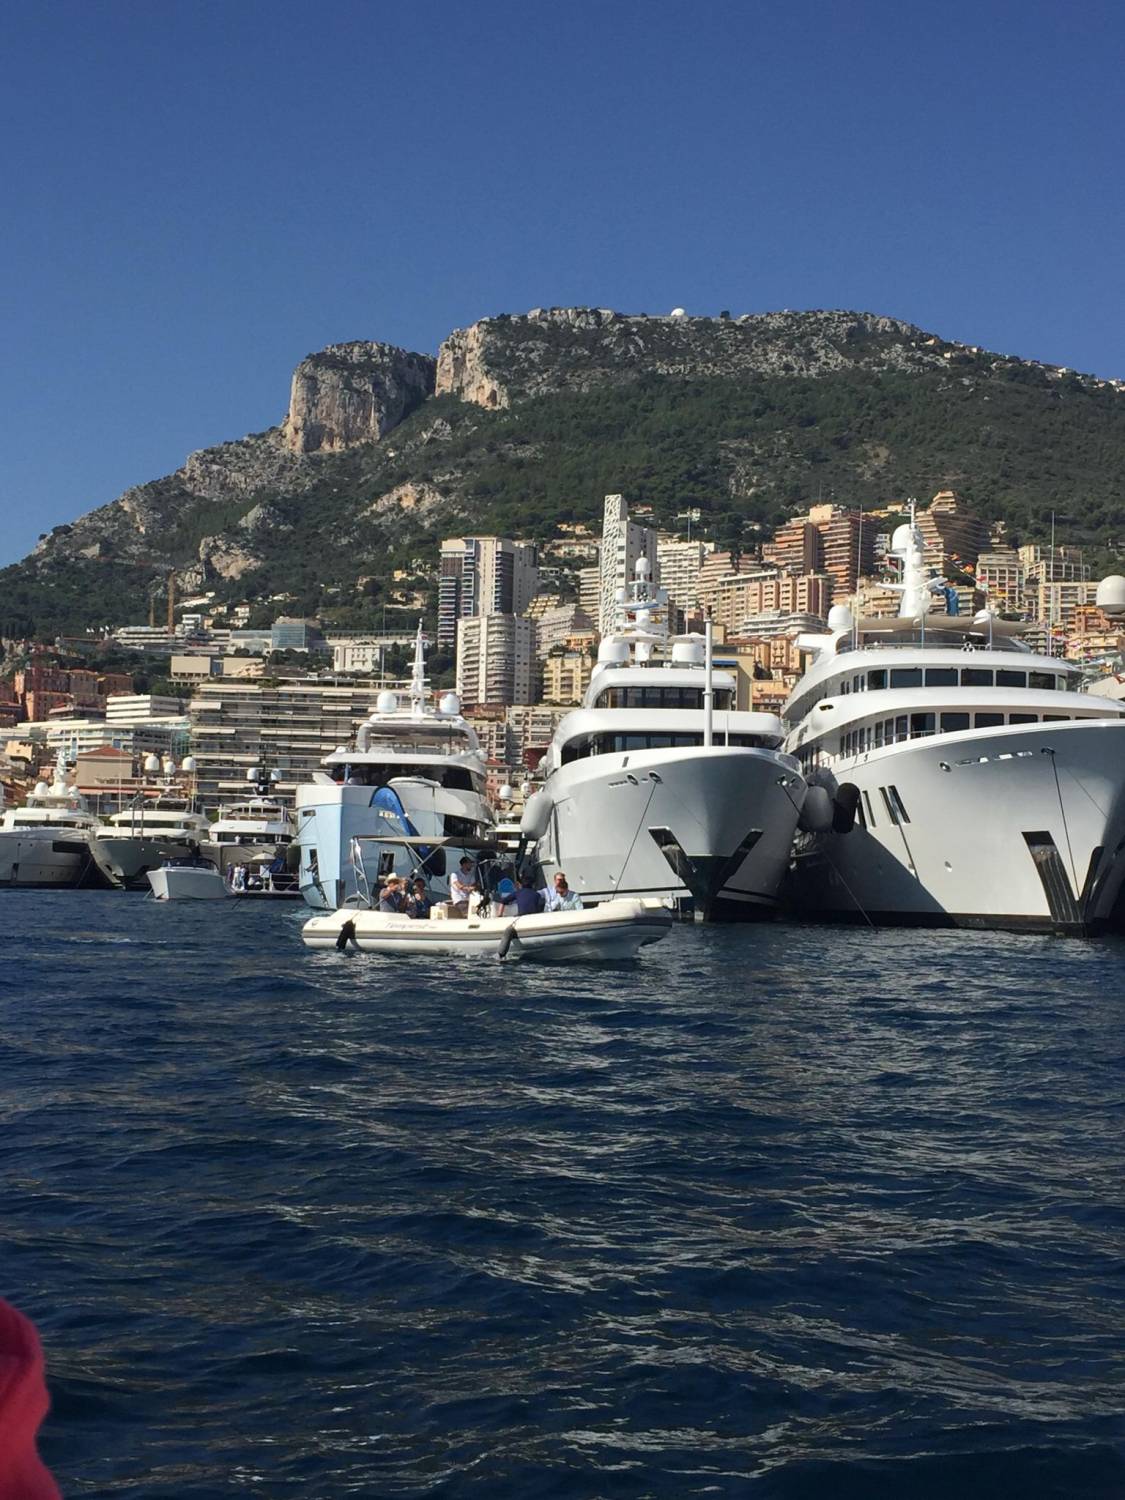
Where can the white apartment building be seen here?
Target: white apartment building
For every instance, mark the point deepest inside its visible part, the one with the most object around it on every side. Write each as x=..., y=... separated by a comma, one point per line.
x=483, y=575
x=623, y=543
x=496, y=659
x=678, y=564
x=139, y=708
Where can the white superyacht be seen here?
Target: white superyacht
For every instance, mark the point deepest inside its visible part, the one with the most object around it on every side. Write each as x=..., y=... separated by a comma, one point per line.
x=413, y=771
x=48, y=841
x=956, y=777
x=658, y=786
x=160, y=823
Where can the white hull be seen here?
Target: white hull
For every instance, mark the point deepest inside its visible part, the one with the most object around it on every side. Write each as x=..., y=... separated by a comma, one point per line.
x=617, y=929
x=1021, y=827
x=673, y=822
x=330, y=816
x=132, y=856
x=187, y=884
x=44, y=857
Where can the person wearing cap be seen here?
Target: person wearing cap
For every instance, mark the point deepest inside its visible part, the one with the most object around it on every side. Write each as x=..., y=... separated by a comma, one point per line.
x=505, y=899
x=462, y=884
x=393, y=897
x=561, y=897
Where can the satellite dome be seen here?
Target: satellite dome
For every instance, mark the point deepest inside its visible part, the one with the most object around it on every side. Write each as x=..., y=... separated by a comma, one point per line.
x=1111, y=595
x=450, y=703
x=151, y=764
x=386, y=702
x=506, y=792
x=840, y=617
x=614, y=651
x=903, y=537
x=41, y=789
x=678, y=312
x=687, y=654
x=188, y=764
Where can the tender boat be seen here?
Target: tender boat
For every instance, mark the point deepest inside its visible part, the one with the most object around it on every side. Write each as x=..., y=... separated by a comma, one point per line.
x=190, y=878
x=250, y=842
x=614, y=930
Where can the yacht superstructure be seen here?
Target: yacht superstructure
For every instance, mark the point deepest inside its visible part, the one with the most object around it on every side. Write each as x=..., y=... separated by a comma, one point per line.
x=658, y=786
x=956, y=777
x=413, y=770
x=47, y=841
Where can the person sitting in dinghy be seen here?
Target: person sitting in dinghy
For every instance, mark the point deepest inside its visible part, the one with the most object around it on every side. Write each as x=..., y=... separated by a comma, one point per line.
x=418, y=901
x=462, y=884
x=562, y=898
x=393, y=898
x=505, y=899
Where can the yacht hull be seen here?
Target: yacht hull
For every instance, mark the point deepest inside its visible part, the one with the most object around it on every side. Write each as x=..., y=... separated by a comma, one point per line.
x=131, y=857
x=187, y=885
x=47, y=859
x=1020, y=828
x=713, y=826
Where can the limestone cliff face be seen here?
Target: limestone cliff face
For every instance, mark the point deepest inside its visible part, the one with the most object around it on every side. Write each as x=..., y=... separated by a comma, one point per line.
x=505, y=359
x=354, y=393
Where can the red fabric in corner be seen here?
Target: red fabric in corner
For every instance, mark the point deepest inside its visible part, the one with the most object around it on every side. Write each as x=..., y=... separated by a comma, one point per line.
x=23, y=1405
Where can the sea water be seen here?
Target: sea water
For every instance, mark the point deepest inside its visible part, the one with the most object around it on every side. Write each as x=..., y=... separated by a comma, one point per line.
x=773, y=1211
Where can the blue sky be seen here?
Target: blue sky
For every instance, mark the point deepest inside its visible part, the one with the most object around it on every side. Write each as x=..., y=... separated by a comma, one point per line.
x=196, y=195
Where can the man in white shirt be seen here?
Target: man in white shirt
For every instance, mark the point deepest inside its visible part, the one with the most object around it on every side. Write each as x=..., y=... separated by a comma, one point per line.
x=561, y=897
x=462, y=884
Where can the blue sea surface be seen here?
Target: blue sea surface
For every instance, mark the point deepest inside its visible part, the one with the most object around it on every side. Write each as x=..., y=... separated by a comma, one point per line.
x=773, y=1211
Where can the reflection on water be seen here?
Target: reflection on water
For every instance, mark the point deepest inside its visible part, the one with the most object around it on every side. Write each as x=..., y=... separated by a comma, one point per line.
x=783, y=1210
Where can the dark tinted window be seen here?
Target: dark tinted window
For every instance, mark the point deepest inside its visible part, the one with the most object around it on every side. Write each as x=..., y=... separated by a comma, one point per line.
x=941, y=676
x=1006, y=678
x=975, y=677
x=989, y=721
x=954, y=721
x=637, y=696
x=877, y=679
x=1043, y=681
x=903, y=677
x=1023, y=719
x=921, y=723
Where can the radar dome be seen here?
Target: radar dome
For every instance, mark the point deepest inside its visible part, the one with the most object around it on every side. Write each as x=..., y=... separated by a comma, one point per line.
x=902, y=538
x=152, y=764
x=687, y=654
x=188, y=764
x=450, y=703
x=169, y=765
x=678, y=312
x=840, y=617
x=643, y=567
x=386, y=702
x=506, y=792
x=613, y=651
x=1111, y=595
x=41, y=789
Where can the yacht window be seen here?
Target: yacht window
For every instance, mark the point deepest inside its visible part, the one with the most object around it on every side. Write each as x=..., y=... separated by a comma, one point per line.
x=845, y=686
x=638, y=696
x=941, y=676
x=902, y=727
x=1007, y=678
x=862, y=814
x=610, y=743
x=1054, y=718
x=878, y=735
x=887, y=804
x=1023, y=719
x=870, y=823
x=1042, y=681
x=954, y=721
x=906, y=677
x=988, y=721
x=877, y=679
x=921, y=724
x=975, y=677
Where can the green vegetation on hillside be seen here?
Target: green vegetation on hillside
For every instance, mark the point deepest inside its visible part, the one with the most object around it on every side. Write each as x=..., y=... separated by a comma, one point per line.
x=1012, y=439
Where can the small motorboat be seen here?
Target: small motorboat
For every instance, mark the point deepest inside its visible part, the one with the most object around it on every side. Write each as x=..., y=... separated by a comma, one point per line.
x=188, y=878
x=615, y=929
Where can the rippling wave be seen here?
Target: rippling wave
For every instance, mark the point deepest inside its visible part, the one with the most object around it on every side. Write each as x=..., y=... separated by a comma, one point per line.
x=776, y=1211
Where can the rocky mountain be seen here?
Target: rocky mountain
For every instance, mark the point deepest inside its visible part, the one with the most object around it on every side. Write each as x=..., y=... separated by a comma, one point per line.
x=522, y=421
